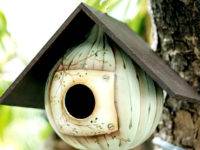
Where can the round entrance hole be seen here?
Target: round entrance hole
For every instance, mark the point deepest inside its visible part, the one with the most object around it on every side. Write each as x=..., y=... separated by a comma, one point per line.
x=79, y=101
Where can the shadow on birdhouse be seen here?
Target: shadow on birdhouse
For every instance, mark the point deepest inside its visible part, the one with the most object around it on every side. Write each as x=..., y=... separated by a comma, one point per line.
x=101, y=83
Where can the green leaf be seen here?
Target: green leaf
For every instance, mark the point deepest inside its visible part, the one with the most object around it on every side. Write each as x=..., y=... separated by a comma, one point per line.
x=5, y=118
x=109, y=5
x=3, y=86
x=93, y=3
x=103, y=6
x=3, y=25
x=137, y=24
x=46, y=132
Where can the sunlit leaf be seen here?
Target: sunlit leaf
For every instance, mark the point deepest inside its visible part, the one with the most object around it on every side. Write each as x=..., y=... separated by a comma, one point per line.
x=137, y=23
x=141, y=22
x=3, y=86
x=46, y=132
x=108, y=5
x=93, y=3
x=102, y=5
x=3, y=25
x=5, y=119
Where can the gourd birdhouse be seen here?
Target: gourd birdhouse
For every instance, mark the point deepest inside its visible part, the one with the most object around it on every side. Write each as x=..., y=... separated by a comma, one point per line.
x=100, y=84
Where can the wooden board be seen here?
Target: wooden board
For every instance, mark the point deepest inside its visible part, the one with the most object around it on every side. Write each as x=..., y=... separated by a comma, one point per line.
x=28, y=89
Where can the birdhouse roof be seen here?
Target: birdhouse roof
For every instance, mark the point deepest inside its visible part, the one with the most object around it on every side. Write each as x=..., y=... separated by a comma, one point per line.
x=28, y=89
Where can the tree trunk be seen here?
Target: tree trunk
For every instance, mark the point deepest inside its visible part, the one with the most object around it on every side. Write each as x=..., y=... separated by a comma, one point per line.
x=178, y=29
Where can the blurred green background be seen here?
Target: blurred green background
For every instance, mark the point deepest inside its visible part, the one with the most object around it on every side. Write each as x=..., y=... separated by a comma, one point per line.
x=28, y=129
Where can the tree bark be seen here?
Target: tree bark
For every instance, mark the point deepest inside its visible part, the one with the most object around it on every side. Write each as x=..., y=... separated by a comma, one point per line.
x=178, y=30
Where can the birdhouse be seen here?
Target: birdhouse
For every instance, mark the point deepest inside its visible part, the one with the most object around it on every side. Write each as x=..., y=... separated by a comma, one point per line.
x=99, y=82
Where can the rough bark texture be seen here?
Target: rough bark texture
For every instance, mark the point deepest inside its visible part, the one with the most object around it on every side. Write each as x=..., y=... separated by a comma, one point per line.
x=178, y=28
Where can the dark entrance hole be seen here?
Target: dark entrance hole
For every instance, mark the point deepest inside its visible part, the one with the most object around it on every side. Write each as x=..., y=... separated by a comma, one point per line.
x=79, y=101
